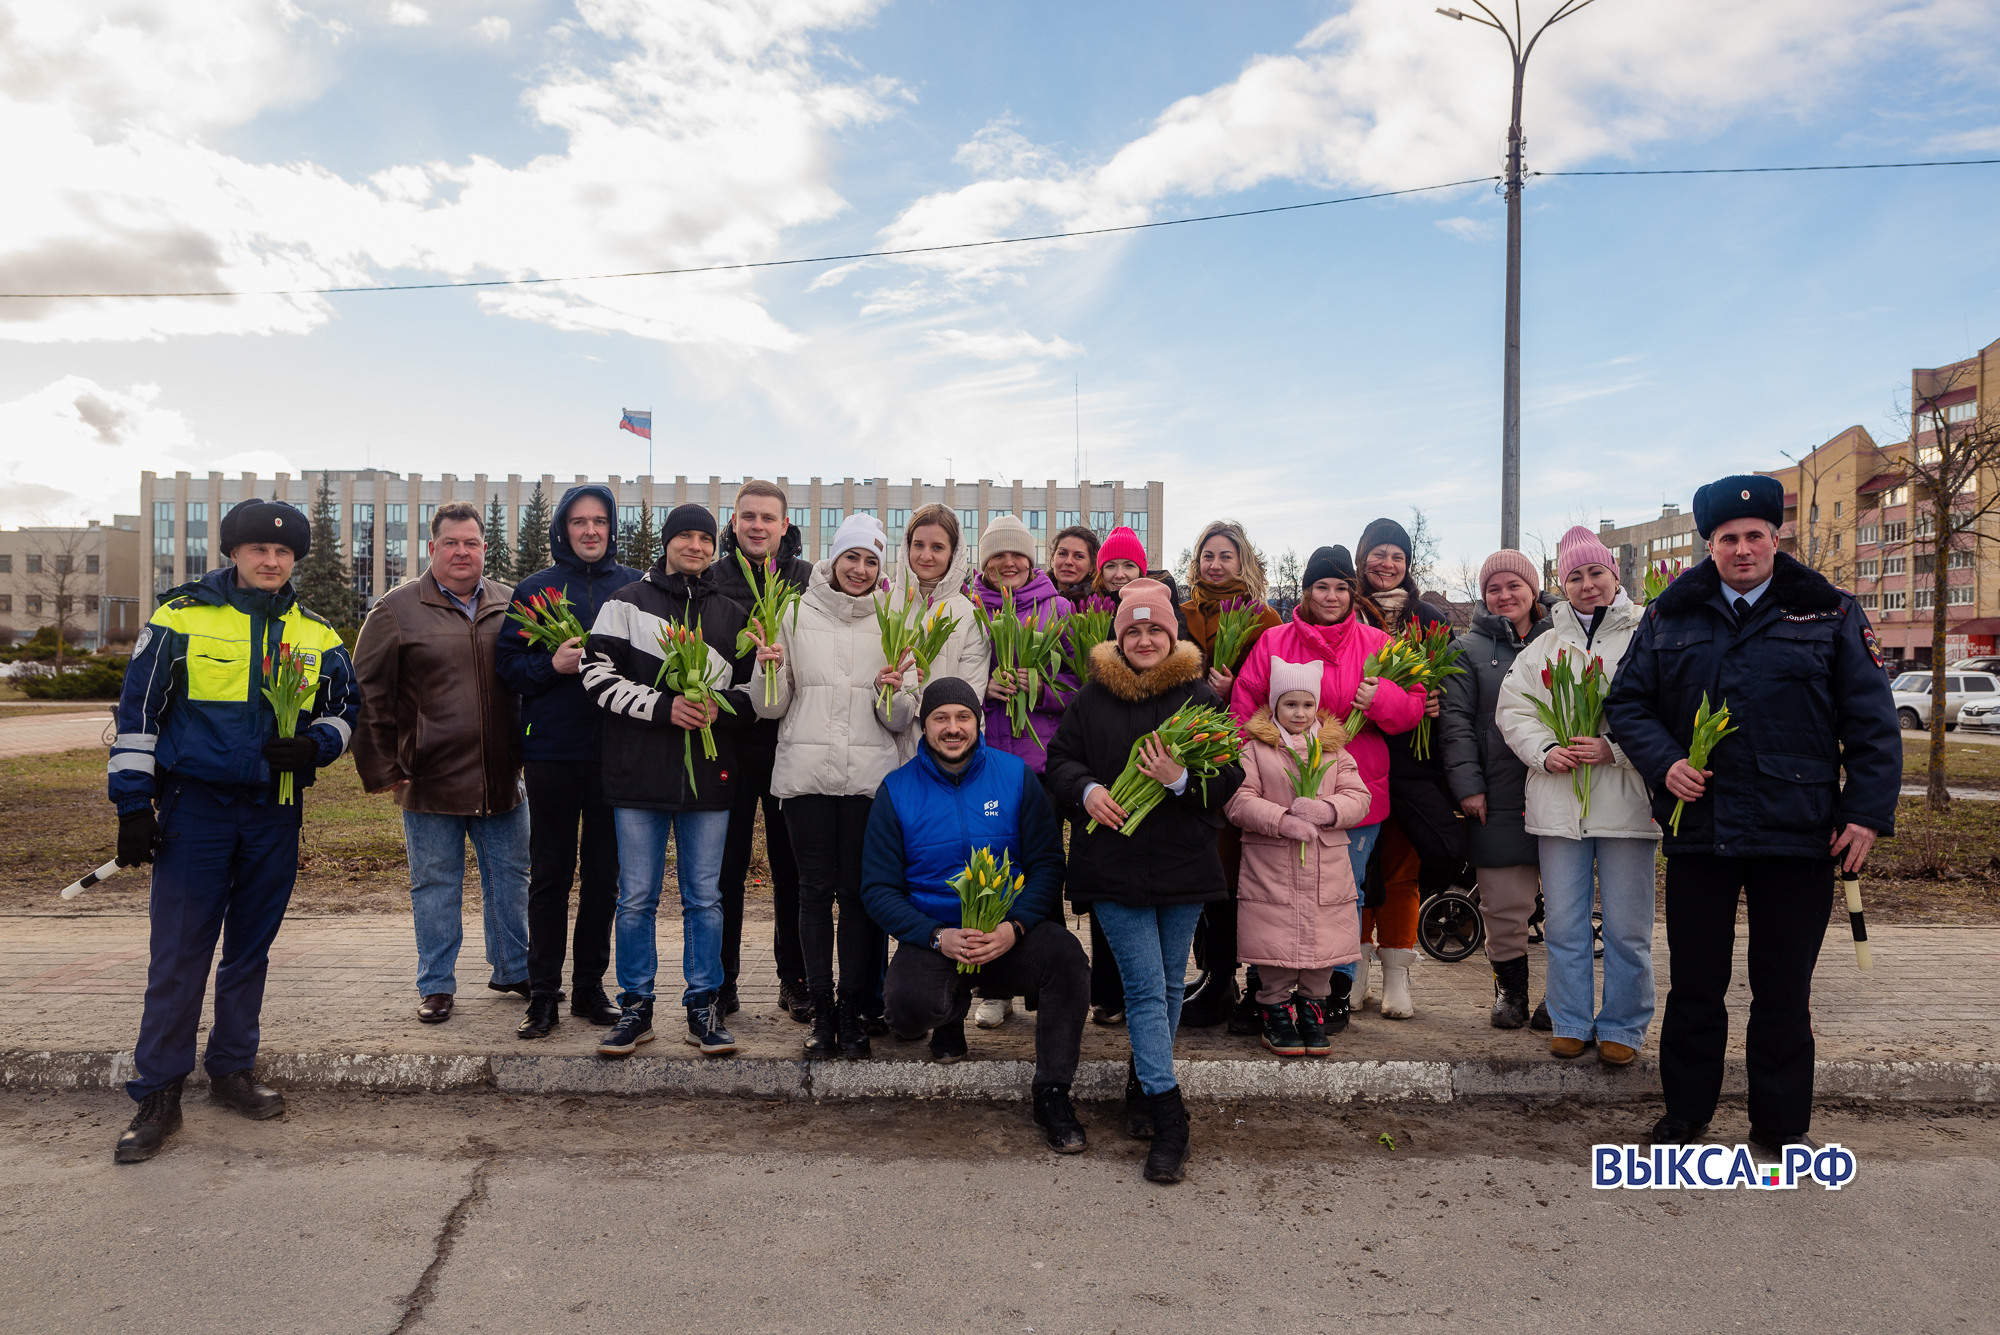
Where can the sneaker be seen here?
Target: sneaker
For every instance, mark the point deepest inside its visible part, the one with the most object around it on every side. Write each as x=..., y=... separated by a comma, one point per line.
x=948, y=1042
x=705, y=1029
x=635, y=1026
x=1281, y=1031
x=1310, y=1015
x=1056, y=1115
x=590, y=1003
x=158, y=1117
x=990, y=1012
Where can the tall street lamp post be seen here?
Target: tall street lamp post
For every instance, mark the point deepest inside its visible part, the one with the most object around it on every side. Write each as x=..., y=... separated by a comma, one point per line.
x=1510, y=408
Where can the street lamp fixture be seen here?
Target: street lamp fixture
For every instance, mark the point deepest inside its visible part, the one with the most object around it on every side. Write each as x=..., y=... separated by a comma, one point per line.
x=1510, y=410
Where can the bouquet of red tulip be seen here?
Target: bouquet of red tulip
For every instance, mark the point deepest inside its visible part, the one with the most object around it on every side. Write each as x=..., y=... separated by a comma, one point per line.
x=1708, y=730
x=684, y=670
x=1440, y=660
x=1575, y=708
x=1308, y=771
x=285, y=687
x=767, y=613
x=1659, y=575
x=986, y=890
x=547, y=620
x=1234, y=622
x=1089, y=626
x=1203, y=739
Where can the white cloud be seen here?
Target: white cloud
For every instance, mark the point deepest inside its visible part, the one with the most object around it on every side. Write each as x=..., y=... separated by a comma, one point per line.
x=494, y=28
x=406, y=15
x=1465, y=229
x=1001, y=347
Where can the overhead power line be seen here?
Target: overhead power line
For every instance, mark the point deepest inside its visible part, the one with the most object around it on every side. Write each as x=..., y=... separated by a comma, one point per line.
x=955, y=245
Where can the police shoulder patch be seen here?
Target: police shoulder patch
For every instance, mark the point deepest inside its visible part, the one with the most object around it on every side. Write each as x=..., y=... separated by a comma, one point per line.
x=1874, y=644
x=145, y=638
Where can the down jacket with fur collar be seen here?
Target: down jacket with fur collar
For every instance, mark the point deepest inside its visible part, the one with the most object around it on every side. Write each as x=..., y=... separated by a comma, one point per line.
x=1172, y=858
x=835, y=739
x=1294, y=913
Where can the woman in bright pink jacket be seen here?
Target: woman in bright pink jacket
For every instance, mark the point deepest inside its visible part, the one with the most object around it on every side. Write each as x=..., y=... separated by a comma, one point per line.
x=1325, y=628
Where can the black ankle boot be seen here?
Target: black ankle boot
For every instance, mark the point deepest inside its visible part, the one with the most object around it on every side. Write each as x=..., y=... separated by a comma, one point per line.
x=1310, y=1015
x=1510, y=993
x=158, y=1117
x=1167, y=1160
x=242, y=1091
x=1208, y=1002
x=1334, y=1010
x=1056, y=1115
x=823, y=1041
x=853, y=1031
x=795, y=1000
x=1138, y=1108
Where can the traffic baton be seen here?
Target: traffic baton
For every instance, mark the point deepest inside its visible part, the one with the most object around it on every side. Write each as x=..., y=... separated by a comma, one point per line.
x=98, y=877
x=1851, y=883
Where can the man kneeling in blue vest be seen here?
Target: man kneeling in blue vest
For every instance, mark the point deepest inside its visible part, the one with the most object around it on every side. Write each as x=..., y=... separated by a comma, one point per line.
x=955, y=796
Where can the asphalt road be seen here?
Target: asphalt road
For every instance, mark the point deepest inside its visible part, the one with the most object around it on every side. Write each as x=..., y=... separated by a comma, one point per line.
x=362, y=1213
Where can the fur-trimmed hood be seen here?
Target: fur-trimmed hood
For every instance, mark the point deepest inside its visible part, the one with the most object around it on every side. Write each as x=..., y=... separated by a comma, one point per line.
x=1178, y=668
x=1263, y=728
x=1795, y=586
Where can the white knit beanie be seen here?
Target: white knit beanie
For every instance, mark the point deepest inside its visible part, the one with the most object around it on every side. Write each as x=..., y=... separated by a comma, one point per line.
x=859, y=531
x=1005, y=534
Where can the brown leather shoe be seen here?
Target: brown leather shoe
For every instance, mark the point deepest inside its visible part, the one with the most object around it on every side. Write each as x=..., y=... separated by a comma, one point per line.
x=1567, y=1047
x=1615, y=1054
x=436, y=1008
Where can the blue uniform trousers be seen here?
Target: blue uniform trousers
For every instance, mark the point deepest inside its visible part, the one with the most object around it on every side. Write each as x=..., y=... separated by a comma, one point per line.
x=224, y=869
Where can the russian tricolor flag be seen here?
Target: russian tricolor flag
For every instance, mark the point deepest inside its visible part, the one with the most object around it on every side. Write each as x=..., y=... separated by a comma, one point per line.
x=639, y=421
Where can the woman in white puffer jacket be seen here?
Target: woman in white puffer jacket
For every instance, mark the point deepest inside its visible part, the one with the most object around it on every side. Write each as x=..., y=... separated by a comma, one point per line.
x=936, y=562
x=836, y=744
x=1618, y=841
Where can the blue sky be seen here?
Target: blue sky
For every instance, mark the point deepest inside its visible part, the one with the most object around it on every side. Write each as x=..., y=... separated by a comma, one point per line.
x=1303, y=371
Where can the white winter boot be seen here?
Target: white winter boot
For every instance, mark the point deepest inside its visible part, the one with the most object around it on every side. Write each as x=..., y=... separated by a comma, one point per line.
x=1364, y=979
x=1396, y=982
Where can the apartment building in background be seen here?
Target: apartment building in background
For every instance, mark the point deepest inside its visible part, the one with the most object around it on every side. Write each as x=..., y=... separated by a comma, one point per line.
x=384, y=518
x=1671, y=537
x=88, y=576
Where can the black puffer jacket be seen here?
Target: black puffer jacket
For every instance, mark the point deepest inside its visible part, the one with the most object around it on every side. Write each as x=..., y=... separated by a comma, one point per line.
x=1419, y=801
x=644, y=755
x=1476, y=757
x=1172, y=858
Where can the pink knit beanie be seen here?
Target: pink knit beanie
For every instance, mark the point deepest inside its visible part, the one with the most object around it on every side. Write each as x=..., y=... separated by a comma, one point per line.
x=1144, y=600
x=1514, y=563
x=1289, y=677
x=1580, y=547
x=1122, y=544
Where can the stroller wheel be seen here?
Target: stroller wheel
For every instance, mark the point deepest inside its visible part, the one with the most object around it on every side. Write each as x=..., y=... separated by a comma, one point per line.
x=1597, y=934
x=1449, y=927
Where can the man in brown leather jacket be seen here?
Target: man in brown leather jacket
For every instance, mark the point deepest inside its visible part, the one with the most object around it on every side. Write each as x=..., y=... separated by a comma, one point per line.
x=441, y=733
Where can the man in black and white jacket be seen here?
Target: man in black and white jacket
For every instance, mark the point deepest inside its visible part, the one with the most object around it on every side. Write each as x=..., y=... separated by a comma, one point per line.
x=657, y=779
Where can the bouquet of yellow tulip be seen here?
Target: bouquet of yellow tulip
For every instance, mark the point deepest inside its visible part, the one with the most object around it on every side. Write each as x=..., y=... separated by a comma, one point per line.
x=1308, y=771
x=1708, y=730
x=986, y=890
x=767, y=613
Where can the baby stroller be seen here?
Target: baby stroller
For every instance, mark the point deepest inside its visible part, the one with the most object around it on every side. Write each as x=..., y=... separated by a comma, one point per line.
x=1450, y=926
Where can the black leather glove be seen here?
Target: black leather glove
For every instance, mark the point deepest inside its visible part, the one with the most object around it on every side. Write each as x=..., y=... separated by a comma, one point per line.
x=292, y=753
x=137, y=832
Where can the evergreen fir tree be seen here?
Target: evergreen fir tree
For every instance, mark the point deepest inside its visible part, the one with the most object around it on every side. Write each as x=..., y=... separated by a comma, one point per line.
x=321, y=580
x=499, y=556
x=531, y=553
x=638, y=546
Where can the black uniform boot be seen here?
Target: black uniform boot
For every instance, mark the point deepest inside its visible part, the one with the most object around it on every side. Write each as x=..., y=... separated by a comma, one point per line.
x=1510, y=993
x=1167, y=1160
x=1056, y=1115
x=159, y=1116
x=1138, y=1108
x=823, y=1040
x=853, y=1031
x=240, y=1090
x=543, y=1015
x=588, y=1002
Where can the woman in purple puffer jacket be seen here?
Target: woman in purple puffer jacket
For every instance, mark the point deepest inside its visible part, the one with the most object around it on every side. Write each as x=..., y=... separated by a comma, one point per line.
x=1007, y=561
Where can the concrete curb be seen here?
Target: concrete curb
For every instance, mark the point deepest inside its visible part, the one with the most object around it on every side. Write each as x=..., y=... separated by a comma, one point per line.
x=768, y=1078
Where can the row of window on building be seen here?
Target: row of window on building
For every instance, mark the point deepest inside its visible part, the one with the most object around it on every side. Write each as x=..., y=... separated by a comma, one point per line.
x=1958, y=595
x=32, y=564
x=32, y=603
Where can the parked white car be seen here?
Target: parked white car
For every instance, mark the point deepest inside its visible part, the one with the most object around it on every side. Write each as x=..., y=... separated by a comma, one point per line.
x=1980, y=715
x=1912, y=691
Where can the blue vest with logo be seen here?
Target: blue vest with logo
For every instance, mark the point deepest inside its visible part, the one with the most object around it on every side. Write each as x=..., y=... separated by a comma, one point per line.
x=944, y=821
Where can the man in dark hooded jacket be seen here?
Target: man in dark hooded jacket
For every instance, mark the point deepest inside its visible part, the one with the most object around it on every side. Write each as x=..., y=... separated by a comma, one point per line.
x=759, y=529
x=563, y=767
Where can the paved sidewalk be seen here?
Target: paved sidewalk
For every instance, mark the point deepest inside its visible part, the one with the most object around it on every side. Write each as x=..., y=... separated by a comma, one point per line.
x=341, y=1011
x=30, y=736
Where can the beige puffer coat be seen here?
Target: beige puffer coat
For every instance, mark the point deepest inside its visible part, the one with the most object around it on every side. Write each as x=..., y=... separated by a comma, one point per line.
x=835, y=739
x=1620, y=807
x=966, y=654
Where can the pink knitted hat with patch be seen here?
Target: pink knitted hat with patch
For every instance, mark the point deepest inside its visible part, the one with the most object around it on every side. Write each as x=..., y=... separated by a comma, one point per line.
x=1144, y=600
x=1580, y=547
x=1289, y=677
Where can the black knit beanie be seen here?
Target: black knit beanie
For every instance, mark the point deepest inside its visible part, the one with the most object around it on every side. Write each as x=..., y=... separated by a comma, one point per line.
x=1380, y=531
x=685, y=518
x=944, y=691
x=1328, y=563
x=274, y=522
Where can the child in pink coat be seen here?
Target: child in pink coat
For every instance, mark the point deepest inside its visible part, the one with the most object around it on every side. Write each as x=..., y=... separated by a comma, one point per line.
x=1295, y=912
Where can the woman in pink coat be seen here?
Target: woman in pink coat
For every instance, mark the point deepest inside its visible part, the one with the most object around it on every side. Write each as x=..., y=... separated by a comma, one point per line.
x=1326, y=629
x=1296, y=916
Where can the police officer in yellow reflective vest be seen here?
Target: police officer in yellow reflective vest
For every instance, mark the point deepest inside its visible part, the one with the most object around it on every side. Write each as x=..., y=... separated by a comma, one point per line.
x=195, y=775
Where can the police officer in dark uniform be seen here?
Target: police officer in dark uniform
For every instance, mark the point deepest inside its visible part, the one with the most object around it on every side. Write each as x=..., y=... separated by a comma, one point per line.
x=194, y=774
x=1769, y=819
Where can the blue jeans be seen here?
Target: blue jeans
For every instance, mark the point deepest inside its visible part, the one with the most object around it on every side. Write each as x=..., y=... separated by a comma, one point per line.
x=1151, y=947
x=1360, y=843
x=699, y=838
x=436, y=847
x=1624, y=875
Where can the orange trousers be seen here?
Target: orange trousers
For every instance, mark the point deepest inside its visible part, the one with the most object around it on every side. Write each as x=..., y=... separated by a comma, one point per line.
x=1394, y=924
